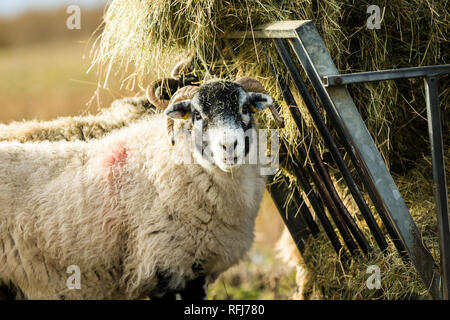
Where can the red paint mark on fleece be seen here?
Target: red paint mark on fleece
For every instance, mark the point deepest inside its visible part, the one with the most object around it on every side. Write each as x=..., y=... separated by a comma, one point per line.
x=117, y=157
x=114, y=160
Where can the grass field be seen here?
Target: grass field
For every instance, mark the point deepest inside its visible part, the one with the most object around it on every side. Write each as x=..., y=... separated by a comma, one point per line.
x=43, y=67
x=44, y=77
x=44, y=80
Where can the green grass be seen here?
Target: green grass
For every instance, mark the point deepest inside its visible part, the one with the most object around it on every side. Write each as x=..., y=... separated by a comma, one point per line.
x=258, y=277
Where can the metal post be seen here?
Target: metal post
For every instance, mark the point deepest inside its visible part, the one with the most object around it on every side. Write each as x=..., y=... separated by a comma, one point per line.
x=437, y=154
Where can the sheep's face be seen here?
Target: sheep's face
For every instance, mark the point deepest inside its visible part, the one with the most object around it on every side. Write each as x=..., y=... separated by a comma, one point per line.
x=220, y=119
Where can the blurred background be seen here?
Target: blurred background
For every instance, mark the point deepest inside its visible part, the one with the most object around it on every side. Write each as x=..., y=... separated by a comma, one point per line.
x=43, y=64
x=43, y=75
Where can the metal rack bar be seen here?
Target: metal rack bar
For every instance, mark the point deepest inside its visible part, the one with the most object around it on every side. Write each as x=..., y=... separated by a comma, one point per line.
x=279, y=191
x=437, y=155
x=337, y=101
x=317, y=161
x=404, y=73
x=328, y=139
x=313, y=200
x=357, y=161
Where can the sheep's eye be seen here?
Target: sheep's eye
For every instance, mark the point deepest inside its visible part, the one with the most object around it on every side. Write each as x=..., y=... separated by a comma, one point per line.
x=197, y=115
x=246, y=108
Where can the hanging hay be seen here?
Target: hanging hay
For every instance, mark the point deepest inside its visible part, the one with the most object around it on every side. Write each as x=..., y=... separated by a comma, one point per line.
x=143, y=37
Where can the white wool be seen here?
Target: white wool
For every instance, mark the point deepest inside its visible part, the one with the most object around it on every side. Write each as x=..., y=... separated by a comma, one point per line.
x=122, y=112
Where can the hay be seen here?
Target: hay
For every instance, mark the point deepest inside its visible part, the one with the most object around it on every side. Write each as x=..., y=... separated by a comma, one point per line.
x=325, y=277
x=399, y=280
x=139, y=34
x=142, y=37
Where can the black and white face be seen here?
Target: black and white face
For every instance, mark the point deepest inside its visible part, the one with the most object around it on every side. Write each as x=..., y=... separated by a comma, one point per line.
x=221, y=122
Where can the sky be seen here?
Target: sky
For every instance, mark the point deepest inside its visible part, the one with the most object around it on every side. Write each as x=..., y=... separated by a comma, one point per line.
x=11, y=8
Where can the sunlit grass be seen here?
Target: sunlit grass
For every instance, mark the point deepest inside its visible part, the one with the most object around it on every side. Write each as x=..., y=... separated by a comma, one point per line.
x=46, y=80
x=259, y=277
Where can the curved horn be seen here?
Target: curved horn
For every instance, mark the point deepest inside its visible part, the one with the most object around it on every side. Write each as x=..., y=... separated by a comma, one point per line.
x=253, y=85
x=159, y=92
x=185, y=93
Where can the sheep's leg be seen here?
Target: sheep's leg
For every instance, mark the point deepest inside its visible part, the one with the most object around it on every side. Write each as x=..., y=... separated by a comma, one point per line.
x=10, y=292
x=162, y=291
x=171, y=295
x=196, y=289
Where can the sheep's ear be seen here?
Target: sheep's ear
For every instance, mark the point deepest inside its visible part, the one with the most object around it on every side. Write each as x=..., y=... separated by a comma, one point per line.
x=260, y=100
x=180, y=110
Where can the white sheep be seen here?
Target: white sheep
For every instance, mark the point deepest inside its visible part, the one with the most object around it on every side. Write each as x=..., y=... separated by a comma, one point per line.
x=121, y=113
x=123, y=208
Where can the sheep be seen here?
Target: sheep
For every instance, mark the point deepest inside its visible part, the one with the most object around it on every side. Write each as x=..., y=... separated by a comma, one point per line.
x=288, y=253
x=125, y=210
x=121, y=112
